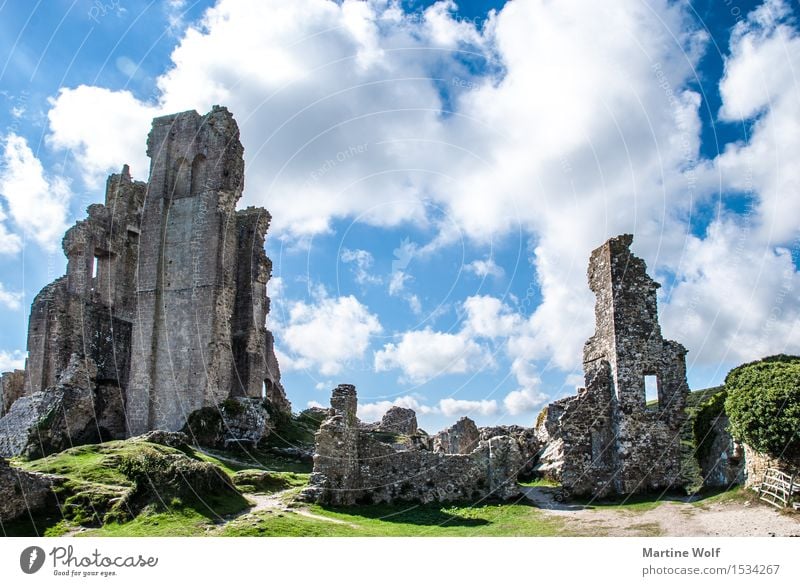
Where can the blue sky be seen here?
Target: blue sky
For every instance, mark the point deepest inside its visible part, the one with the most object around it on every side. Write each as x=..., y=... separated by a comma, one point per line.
x=437, y=175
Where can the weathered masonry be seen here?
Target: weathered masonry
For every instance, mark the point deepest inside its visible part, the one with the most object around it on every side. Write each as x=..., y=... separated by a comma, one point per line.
x=612, y=440
x=354, y=463
x=165, y=291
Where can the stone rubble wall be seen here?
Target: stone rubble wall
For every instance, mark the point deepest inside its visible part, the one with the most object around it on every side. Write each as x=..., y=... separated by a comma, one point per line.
x=756, y=463
x=460, y=438
x=23, y=492
x=12, y=387
x=352, y=466
x=607, y=439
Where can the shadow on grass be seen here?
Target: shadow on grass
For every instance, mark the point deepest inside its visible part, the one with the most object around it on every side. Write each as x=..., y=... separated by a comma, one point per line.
x=423, y=515
x=45, y=522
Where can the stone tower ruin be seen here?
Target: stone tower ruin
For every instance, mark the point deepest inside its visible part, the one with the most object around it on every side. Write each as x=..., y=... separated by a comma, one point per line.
x=165, y=291
x=613, y=441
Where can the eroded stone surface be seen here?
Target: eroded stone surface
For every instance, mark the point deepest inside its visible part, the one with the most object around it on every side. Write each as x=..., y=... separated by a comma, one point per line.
x=460, y=438
x=165, y=291
x=611, y=440
x=23, y=492
x=352, y=465
x=59, y=417
x=12, y=387
x=399, y=420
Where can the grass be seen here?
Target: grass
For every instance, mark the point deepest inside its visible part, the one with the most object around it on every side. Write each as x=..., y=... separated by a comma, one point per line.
x=268, y=482
x=261, y=459
x=95, y=477
x=432, y=520
x=189, y=520
x=99, y=491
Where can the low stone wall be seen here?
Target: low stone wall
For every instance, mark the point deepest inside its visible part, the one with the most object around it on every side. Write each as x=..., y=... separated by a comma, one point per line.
x=22, y=491
x=756, y=464
x=352, y=466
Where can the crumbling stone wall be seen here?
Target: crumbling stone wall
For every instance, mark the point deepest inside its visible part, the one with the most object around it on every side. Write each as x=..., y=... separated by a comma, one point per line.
x=12, y=387
x=399, y=420
x=612, y=441
x=460, y=438
x=165, y=290
x=23, y=492
x=756, y=463
x=352, y=466
x=90, y=310
x=74, y=411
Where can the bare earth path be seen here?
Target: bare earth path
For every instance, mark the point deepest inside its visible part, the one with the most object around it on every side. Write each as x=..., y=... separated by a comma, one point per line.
x=274, y=502
x=670, y=518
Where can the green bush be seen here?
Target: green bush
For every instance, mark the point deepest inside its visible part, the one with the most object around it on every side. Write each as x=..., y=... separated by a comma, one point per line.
x=706, y=416
x=763, y=404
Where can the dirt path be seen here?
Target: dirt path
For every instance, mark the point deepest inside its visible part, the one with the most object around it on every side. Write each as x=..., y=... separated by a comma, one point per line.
x=274, y=502
x=671, y=518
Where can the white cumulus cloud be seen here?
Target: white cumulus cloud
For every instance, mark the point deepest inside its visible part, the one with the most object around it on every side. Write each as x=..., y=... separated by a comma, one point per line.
x=327, y=334
x=424, y=354
x=457, y=407
x=37, y=203
x=11, y=360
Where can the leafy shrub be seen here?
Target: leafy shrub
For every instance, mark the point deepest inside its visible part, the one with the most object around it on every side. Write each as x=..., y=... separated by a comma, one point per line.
x=763, y=404
x=707, y=414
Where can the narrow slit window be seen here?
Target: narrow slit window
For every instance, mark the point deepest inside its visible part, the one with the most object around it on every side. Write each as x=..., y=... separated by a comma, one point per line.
x=95, y=262
x=651, y=390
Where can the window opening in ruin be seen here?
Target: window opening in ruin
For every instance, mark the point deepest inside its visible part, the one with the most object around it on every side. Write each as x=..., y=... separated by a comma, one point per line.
x=95, y=262
x=264, y=390
x=651, y=390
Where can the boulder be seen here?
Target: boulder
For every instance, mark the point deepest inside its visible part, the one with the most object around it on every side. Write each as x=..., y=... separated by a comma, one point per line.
x=65, y=415
x=172, y=439
x=12, y=387
x=460, y=438
x=527, y=440
x=241, y=420
x=22, y=491
x=399, y=420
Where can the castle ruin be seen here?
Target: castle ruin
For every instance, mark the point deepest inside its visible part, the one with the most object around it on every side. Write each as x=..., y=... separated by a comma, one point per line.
x=355, y=464
x=165, y=291
x=608, y=439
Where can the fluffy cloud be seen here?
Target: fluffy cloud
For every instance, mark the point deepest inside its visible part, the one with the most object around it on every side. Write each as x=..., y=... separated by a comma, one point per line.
x=37, y=204
x=374, y=411
x=760, y=85
x=489, y=317
x=103, y=129
x=523, y=401
x=448, y=407
x=11, y=360
x=362, y=261
x=424, y=354
x=11, y=299
x=574, y=122
x=10, y=243
x=485, y=268
x=722, y=276
x=457, y=407
x=327, y=334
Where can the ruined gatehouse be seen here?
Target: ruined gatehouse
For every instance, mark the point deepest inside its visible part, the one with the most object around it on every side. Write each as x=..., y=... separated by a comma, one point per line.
x=164, y=297
x=608, y=439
